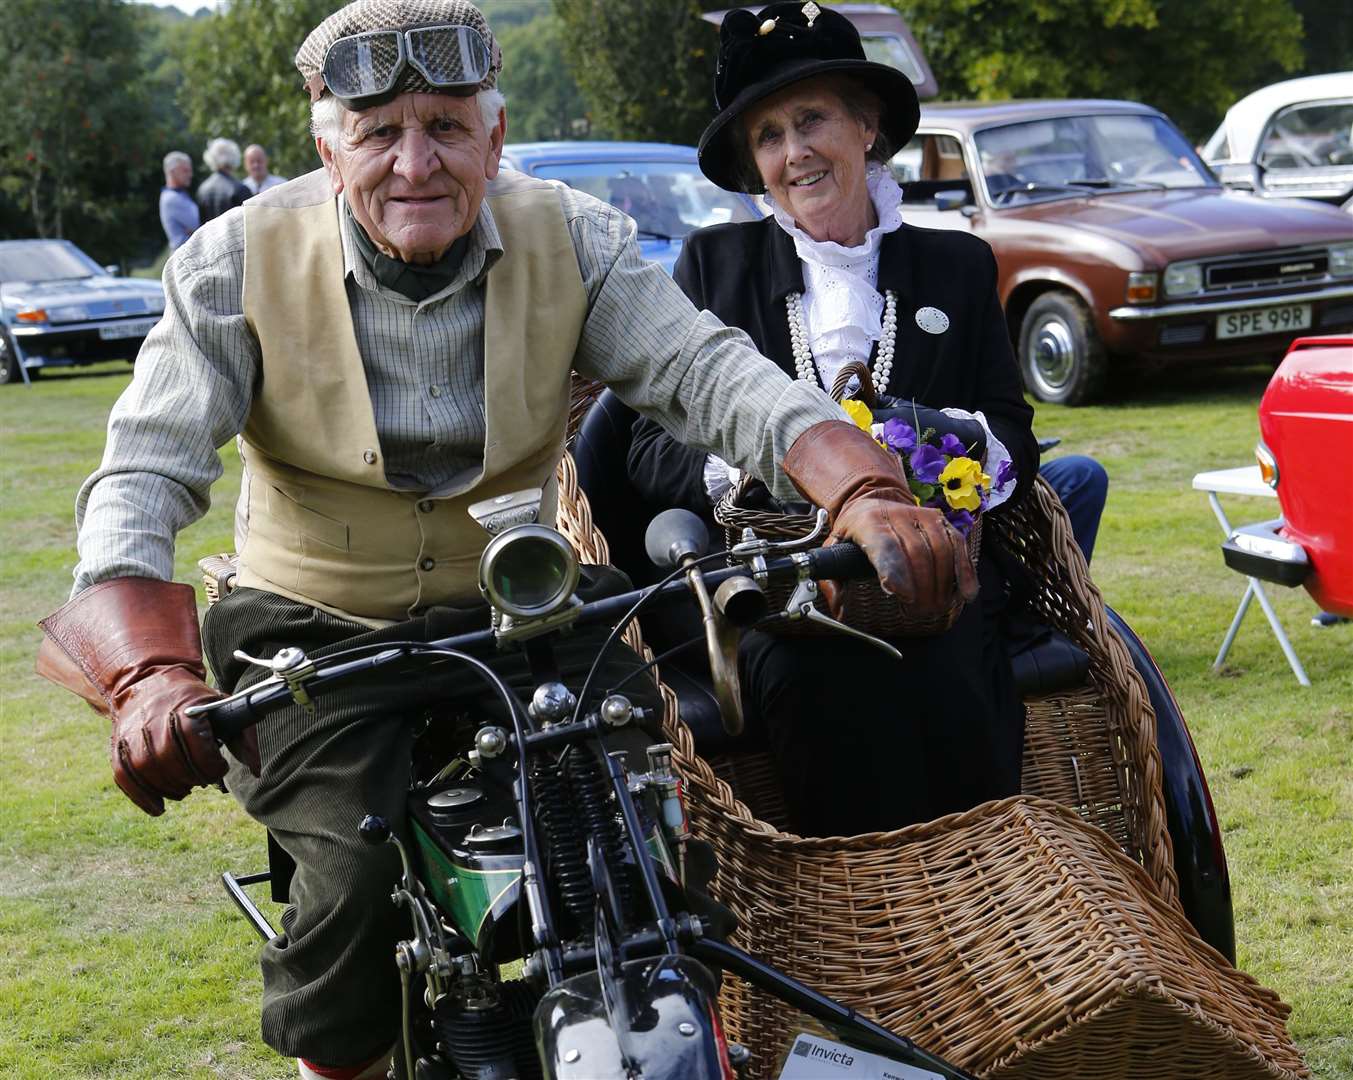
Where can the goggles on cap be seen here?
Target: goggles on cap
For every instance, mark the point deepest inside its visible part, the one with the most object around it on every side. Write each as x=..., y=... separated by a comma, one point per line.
x=362, y=70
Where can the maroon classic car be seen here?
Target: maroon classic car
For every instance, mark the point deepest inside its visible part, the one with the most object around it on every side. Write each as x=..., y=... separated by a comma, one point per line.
x=1116, y=244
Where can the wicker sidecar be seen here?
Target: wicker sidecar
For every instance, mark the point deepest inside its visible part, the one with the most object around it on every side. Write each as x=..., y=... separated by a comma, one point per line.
x=1083, y=928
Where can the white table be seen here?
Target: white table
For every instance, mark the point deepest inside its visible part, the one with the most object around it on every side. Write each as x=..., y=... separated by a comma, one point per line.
x=1246, y=481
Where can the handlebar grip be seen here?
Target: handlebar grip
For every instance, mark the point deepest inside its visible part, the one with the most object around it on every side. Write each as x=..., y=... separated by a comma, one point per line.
x=229, y=718
x=841, y=562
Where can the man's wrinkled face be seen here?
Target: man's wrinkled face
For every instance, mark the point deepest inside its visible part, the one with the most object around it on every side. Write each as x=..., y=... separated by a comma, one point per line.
x=181, y=175
x=256, y=163
x=414, y=171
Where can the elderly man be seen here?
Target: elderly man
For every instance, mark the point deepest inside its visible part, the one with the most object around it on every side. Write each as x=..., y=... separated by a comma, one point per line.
x=257, y=177
x=393, y=336
x=179, y=215
x=220, y=191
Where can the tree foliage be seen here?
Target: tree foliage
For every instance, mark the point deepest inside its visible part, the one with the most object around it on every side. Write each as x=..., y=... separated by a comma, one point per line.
x=645, y=66
x=240, y=80
x=1191, y=60
x=543, y=100
x=1328, y=26
x=80, y=137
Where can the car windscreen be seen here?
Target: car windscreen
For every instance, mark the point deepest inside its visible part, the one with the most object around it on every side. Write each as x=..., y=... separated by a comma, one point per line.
x=890, y=49
x=45, y=261
x=1069, y=156
x=1311, y=135
x=665, y=198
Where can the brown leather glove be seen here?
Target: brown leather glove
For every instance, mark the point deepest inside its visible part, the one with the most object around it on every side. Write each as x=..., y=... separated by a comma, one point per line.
x=920, y=558
x=131, y=648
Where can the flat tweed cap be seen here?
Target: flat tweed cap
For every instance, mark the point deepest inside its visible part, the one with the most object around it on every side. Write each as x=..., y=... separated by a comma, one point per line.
x=363, y=15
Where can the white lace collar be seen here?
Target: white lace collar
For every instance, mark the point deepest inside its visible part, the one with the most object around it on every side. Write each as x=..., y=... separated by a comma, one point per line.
x=887, y=199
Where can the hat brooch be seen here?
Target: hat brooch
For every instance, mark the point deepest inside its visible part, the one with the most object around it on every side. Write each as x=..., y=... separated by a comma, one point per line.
x=810, y=12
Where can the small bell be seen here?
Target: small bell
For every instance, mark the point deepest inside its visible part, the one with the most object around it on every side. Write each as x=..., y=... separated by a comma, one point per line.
x=767, y=26
x=810, y=12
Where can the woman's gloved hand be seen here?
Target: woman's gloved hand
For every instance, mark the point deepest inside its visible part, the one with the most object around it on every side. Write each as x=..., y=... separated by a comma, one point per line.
x=132, y=649
x=969, y=432
x=919, y=557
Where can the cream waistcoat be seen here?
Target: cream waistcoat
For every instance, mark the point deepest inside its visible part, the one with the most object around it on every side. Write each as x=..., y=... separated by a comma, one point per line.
x=325, y=526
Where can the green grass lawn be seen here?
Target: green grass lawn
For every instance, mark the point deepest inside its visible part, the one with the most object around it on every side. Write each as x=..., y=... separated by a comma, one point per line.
x=122, y=957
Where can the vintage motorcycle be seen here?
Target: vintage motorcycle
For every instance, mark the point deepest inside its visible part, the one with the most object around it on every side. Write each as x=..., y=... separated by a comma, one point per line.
x=533, y=839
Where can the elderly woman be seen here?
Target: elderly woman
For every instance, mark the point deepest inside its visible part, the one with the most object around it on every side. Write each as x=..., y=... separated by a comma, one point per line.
x=862, y=742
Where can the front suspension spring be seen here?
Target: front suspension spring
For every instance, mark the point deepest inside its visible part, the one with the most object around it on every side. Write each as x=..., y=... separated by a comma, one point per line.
x=567, y=850
x=592, y=791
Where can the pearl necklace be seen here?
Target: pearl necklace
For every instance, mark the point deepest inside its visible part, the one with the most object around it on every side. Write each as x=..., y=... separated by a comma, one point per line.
x=804, y=366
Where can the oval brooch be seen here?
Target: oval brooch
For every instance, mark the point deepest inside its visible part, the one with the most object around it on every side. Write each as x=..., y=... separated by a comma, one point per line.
x=932, y=320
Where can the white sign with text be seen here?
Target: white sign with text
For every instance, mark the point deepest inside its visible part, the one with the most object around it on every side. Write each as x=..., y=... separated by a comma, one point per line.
x=815, y=1058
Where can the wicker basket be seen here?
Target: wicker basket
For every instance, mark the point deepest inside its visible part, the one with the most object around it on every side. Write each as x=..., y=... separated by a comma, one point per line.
x=866, y=606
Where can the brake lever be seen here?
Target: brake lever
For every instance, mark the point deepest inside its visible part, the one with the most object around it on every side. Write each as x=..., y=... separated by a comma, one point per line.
x=752, y=546
x=800, y=606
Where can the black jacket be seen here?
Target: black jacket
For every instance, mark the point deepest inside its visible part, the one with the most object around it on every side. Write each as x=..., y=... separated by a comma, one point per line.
x=742, y=273
x=218, y=193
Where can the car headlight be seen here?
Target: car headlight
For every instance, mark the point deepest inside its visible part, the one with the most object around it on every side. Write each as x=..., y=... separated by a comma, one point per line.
x=528, y=571
x=31, y=315
x=1141, y=287
x=1181, y=279
x=1341, y=260
x=155, y=304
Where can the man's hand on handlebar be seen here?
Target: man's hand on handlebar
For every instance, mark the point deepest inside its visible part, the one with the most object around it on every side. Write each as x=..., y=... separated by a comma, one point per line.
x=130, y=647
x=919, y=557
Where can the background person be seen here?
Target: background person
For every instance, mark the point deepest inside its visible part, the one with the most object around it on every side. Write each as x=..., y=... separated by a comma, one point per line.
x=258, y=178
x=220, y=191
x=393, y=336
x=861, y=741
x=179, y=216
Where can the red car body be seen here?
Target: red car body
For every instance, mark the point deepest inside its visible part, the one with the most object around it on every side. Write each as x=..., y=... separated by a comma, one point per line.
x=1306, y=422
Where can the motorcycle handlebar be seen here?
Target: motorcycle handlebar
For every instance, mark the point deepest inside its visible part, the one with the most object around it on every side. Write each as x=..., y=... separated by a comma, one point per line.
x=230, y=716
x=840, y=562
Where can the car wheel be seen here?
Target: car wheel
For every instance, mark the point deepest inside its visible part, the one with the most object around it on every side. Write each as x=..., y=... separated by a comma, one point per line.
x=9, y=360
x=1060, y=354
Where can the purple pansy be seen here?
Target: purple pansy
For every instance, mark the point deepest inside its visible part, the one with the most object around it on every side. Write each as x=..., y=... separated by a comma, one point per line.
x=960, y=520
x=899, y=436
x=1005, y=474
x=927, y=462
x=952, y=445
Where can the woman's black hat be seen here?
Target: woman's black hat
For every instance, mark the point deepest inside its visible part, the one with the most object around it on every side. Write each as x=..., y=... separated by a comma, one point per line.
x=783, y=44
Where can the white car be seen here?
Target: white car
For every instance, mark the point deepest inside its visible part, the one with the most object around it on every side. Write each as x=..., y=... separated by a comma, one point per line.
x=1293, y=138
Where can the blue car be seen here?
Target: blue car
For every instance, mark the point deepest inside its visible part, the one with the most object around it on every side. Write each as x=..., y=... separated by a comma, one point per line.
x=658, y=184
x=58, y=307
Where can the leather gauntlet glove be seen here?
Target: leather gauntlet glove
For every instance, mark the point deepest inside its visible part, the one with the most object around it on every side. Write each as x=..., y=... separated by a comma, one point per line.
x=132, y=649
x=920, y=558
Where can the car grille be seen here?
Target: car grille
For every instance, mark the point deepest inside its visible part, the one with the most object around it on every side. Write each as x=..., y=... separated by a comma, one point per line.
x=1307, y=265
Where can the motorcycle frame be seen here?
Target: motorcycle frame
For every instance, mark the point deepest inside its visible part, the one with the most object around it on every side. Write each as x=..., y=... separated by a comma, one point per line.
x=671, y=935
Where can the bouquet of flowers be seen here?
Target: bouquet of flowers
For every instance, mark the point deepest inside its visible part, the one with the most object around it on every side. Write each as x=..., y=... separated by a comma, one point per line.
x=939, y=469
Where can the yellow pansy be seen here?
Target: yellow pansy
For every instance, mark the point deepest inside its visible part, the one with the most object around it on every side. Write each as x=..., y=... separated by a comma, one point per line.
x=859, y=412
x=961, y=480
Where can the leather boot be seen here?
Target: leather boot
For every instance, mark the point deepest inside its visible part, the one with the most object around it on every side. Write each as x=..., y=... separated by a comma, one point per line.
x=132, y=649
x=920, y=558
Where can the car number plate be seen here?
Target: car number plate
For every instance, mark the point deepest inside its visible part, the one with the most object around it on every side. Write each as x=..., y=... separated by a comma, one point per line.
x=815, y=1058
x=1269, y=320
x=140, y=328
